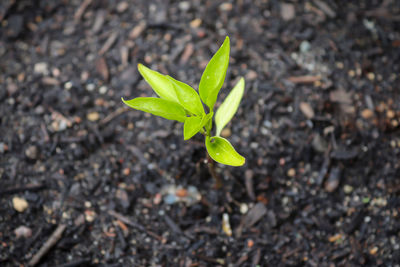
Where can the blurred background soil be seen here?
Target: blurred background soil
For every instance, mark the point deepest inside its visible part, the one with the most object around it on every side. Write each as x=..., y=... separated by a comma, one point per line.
x=111, y=186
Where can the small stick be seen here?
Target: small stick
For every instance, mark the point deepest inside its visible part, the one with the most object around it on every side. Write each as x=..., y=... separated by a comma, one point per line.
x=138, y=226
x=55, y=236
x=214, y=174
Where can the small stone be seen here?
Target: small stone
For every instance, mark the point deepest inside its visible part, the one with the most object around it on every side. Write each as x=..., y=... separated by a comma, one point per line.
x=305, y=46
x=3, y=147
x=307, y=110
x=20, y=204
x=373, y=250
x=103, y=89
x=226, y=7
x=126, y=171
x=122, y=7
x=41, y=68
x=251, y=75
x=244, y=208
x=90, y=87
x=123, y=198
x=288, y=11
x=90, y=215
x=367, y=113
x=390, y=114
x=333, y=180
x=371, y=76
x=184, y=6
x=291, y=172
x=347, y=189
x=226, y=132
x=23, y=231
x=93, y=116
x=195, y=23
x=32, y=152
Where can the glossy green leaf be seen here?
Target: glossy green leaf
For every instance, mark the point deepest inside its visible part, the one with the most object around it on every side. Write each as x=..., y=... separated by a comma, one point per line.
x=194, y=124
x=223, y=152
x=159, y=107
x=187, y=97
x=229, y=107
x=214, y=75
x=159, y=82
x=191, y=127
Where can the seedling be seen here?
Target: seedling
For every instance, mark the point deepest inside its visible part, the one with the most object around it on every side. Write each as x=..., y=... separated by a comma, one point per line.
x=179, y=101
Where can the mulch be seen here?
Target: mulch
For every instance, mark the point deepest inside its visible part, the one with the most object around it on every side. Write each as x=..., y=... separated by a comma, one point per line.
x=85, y=181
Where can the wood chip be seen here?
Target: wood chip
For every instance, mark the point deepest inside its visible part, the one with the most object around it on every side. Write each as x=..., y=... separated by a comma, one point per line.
x=110, y=41
x=99, y=20
x=307, y=110
x=187, y=53
x=81, y=10
x=137, y=30
x=304, y=79
x=252, y=217
x=102, y=69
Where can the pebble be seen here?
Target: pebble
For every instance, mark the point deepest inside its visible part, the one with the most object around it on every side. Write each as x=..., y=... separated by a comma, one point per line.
x=347, y=189
x=291, y=172
x=3, y=147
x=90, y=87
x=307, y=110
x=244, y=208
x=288, y=11
x=226, y=132
x=90, y=215
x=373, y=250
x=333, y=180
x=195, y=23
x=122, y=7
x=122, y=196
x=226, y=7
x=23, y=231
x=20, y=204
x=93, y=116
x=32, y=152
x=305, y=46
x=251, y=75
x=367, y=113
x=103, y=89
x=184, y=6
x=226, y=226
x=41, y=68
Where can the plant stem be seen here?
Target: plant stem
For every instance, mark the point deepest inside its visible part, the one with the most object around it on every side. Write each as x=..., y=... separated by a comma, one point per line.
x=214, y=174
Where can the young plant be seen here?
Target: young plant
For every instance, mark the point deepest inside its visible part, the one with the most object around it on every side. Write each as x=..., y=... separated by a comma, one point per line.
x=179, y=101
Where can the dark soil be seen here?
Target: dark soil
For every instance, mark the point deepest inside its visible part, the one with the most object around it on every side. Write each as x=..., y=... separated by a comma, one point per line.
x=318, y=125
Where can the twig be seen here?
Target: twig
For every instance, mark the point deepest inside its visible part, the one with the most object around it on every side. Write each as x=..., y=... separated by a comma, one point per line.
x=304, y=79
x=214, y=174
x=127, y=221
x=113, y=115
x=55, y=236
x=79, y=12
x=28, y=187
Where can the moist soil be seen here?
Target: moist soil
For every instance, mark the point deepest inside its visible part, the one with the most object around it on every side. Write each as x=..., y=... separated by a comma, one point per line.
x=112, y=186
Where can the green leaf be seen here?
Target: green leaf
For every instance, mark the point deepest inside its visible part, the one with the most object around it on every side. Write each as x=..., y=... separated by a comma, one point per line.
x=159, y=82
x=214, y=75
x=191, y=127
x=188, y=97
x=229, y=107
x=159, y=107
x=223, y=152
x=194, y=124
